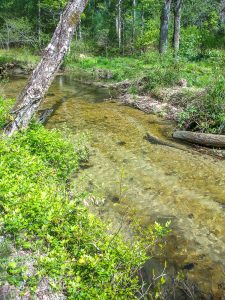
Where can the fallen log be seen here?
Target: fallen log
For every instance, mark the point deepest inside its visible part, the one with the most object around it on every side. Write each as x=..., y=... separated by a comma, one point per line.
x=203, y=139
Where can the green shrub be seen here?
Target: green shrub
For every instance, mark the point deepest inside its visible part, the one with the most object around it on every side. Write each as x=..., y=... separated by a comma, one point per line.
x=4, y=60
x=206, y=114
x=150, y=38
x=51, y=148
x=191, y=39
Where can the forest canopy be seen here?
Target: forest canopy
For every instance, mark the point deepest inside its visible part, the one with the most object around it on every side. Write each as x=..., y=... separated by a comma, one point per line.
x=115, y=26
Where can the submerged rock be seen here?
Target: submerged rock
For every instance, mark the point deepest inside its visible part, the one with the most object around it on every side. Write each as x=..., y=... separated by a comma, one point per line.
x=189, y=266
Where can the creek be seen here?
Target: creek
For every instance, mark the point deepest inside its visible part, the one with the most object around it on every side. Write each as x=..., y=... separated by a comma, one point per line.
x=160, y=183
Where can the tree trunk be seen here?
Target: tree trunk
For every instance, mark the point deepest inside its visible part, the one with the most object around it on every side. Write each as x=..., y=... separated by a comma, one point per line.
x=134, y=20
x=119, y=23
x=8, y=37
x=39, y=23
x=41, y=78
x=177, y=22
x=209, y=140
x=164, y=28
x=80, y=31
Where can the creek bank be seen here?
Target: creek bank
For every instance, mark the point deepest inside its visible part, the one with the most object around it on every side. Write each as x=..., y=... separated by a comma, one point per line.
x=160, y=101
x=199, y=141
x=15, y=68
x=148, y=104
x=18, y=68
x=169, y=103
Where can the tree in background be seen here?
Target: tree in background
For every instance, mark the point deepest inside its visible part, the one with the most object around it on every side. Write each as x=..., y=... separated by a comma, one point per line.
x=164, y=27
x=17, y=32
x=119, y=23
x=177, y=24
x=126, y=27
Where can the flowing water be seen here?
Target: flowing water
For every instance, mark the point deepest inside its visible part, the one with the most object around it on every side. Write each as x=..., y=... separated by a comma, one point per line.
x=162, y=183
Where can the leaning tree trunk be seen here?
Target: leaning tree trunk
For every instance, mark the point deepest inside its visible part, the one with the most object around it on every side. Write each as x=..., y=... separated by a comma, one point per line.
x=177, y=21
x=41, y=78
x=164, y=28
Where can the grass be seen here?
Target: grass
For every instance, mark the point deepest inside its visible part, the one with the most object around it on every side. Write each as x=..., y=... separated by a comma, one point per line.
x=155, y=69
x=47, y=234
x=22, y=55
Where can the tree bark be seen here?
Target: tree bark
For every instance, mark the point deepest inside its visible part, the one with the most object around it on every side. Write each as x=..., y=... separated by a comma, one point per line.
x=43, y=75
x=8, y=36
x=208, y=140
x=39, y=23
x=164, y=28
x=80, y=31
x=119, y=23
x=134, y=20
x=177, y=22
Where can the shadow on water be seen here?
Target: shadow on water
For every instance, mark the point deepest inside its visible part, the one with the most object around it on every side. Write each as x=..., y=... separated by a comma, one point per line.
x=162, y=180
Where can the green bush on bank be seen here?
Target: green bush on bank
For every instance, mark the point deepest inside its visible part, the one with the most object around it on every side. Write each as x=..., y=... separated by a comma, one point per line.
x=55, y=235
x=206, y=114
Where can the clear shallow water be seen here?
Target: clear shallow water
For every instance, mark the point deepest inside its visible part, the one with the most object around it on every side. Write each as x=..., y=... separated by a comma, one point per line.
x=161, y=182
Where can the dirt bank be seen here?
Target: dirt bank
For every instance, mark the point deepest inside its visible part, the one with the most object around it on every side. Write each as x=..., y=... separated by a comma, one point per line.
x=148, y=104
x=15, y=68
